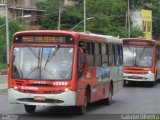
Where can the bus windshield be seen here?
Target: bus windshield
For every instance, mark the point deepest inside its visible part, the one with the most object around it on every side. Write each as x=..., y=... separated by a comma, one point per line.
x=42, y=63
x=137, y=56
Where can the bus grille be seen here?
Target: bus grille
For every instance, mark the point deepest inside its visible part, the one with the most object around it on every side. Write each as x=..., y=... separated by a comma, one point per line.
x=46, y=100
x=19, y=82
x=43, y=92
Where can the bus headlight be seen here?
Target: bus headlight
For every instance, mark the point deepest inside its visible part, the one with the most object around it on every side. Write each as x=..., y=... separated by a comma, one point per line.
x=149, y=72
x=66, y=89
x=15, y=87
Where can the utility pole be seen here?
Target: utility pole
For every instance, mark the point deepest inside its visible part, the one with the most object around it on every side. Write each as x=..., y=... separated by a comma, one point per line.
x=59, y=16
x=59, y=19
x=84, y=15
x=7, y=32
x=129, y=28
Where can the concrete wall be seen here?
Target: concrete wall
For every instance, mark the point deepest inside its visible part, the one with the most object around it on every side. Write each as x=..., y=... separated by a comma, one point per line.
x=2, y=10
x=136, y=19
x=69, y=2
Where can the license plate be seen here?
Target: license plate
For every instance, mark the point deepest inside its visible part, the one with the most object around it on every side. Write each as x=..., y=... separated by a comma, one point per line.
x=136, y=77
x=39, y=98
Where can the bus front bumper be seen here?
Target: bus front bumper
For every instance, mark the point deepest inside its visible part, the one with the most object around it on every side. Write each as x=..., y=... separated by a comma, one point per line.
x=150, y=77
x=63, y=99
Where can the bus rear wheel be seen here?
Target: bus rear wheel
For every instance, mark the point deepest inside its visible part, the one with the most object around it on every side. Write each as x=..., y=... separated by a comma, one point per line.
x=30, y=108
x=109, y=99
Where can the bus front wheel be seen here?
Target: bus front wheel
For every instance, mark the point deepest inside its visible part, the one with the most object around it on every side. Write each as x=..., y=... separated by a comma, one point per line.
x=30, y=108
x=82, y=109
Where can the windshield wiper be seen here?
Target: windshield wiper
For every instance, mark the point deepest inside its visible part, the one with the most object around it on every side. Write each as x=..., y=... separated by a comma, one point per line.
x=51, y=54
x=142, y=53
x=39, y=57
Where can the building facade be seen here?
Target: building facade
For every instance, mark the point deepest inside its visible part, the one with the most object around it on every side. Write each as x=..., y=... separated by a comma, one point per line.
x=18, y=8
x=142, y=19
x=2, y=8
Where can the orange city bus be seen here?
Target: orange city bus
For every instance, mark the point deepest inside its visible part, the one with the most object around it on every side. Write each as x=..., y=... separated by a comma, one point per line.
x=64, y=68
x=141, y=60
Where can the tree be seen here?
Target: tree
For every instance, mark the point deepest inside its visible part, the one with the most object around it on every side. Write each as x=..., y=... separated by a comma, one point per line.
x=108, y=16
x=13, y=27
x=156, y=18
x=70, y=15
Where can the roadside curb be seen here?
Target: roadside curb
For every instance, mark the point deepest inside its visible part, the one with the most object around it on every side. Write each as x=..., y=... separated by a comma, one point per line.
x=3, y=82
x=3, y=86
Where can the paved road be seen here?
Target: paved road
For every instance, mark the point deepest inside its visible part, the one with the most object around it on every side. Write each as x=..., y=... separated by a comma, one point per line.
x=134, y=99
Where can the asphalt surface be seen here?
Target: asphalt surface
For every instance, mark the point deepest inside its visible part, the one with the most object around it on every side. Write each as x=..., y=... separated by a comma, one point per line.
x=137, y=98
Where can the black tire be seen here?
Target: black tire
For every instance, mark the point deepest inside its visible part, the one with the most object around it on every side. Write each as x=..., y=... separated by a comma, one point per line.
x=152, y=84
x=124, y=83
x=109, y=99
x=30, y=108
x=83, y=108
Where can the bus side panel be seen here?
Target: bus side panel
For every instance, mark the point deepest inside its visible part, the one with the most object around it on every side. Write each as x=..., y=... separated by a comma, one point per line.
x=99, y=79
x=80, y=96
x=101, y=92
x=157, y=57
x=117, y=78
x=88, y=79
x=101, y=87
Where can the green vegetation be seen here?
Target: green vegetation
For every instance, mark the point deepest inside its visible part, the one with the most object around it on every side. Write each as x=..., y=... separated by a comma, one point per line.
x=108, y=17
x=13, y=27
x=3, y=66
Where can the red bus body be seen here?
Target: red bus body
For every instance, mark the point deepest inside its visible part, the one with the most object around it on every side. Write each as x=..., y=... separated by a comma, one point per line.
x=75, y=91
x=145, y=54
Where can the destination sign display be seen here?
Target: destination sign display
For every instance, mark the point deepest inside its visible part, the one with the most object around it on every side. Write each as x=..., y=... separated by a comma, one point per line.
x=43, y=39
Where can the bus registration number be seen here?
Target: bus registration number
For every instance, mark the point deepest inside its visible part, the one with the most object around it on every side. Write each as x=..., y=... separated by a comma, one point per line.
x=39, y=98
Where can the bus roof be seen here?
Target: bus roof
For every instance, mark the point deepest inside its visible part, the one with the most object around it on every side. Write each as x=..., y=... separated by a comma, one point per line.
x=108, y=38
x=156, y=42
x=142, y=39
x=44, y=31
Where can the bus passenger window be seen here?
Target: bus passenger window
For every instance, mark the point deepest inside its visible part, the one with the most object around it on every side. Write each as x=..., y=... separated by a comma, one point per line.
x=97, y=55
x=104, y=55
x=90, y=54
x=81, y=62
x=116, y=54
x=121, y=54
x=111, y=55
